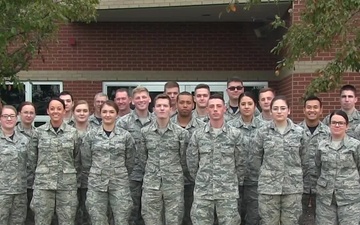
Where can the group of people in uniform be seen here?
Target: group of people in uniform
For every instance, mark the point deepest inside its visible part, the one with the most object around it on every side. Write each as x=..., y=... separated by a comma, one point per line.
x=194, y=160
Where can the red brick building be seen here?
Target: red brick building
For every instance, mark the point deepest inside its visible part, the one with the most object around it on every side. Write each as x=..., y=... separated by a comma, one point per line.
x=148, y=42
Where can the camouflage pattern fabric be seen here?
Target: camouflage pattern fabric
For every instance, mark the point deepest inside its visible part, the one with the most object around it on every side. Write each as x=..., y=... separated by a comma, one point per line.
x=93, y=122
x=354, y=121
x=13, y=209
x=204, y=119
x=230, y=114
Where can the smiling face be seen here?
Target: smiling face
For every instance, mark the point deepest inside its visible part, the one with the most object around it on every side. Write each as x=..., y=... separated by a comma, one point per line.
x=81, y=113
x=312, y=110
x=338, y=126
x=108, y=114
x=122, y=100
x=141, y=100
x=56, y=111
x=8, y=119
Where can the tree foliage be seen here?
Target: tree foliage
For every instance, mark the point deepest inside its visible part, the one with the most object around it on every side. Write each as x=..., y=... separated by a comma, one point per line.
x=324, y=26
x=26, y=26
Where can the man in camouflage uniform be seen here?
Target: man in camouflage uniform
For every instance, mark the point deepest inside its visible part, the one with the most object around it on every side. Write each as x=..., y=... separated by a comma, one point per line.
x=348, y=100
x=266, y=95
x=315, y=131
x=133, y=123
x=95, y=118
x=58, y=160
x=123, y=100
x=201, y=98
x=162, y=158
x=186, y=120
x=217, y=164
x=14, y=155
x=67, y=97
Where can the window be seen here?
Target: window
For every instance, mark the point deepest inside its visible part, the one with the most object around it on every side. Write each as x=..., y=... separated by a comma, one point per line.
x=11, y=95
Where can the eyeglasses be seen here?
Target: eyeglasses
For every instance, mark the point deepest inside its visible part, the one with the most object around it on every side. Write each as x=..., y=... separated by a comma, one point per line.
x=8, y=116
x=232, y=88
x=338, y=123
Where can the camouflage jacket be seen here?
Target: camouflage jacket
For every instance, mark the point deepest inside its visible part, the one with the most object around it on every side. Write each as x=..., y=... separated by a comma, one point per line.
x=191, y=127
x=31, y=136
x=58, y=158
x=312, y=141
x=338, y=170
x=248, y=131
x=280, y=157
x=13, y=163
x=216, y=162
x=110, y=160
x=354, y=121
x=197, y=116
x=230, y=114
x=162, y=155
x=132, y=124
x=93, y=121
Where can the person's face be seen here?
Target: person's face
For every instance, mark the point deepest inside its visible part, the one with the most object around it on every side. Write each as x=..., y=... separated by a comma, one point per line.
x=141, y=101
x=216, y=109
x=8, y=119
x=81, y=113
x=68, y=102
x=56, y=111
x=98, y=102
x=108, y=114
x=247, y=106
x=234, y=90
x=172, y=93
x=162, y=108
x=265, y=100
x=280, y=110
x=123, y=101
x=27, y=114
x=348, y=100
x=184, y=105
x=312, y=110
x=202, y=96
x=338, y=126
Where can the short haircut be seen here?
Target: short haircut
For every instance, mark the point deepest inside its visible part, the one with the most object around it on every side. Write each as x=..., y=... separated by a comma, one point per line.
x=234, y=79
x=66, y=93
x=263, y=90
x=21, y=106
x=123, y=90
x=217, y=96
x=171, y=84
x=280, y=97
x=340, y=113
x=56, y=99
x=8, y=107
x=162, y=96
x=80, y=102
x=202, y=86
x=247, y=94
x=348, y=87
x=312, y=98
x=100, y=94
x=139, y=89
x=110, y=103
x=184, y=93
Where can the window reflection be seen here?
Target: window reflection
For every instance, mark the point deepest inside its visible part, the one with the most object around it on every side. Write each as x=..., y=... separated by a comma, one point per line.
x=41, y=95
x=11, y=95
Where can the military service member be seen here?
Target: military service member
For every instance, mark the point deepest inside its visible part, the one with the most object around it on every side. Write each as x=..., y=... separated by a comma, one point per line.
x=279, y=147
x=315, y=131
x=111, y=150
x=247, y=123
x=215, y=161
x=185, y=118
x=266, y=95
x=172, y=89
x=202, y=95
x=133, y=122
x=55, y=185
x=338, y=165
x=348, y=100
x=95, y=119
x=14, y=152
x=162, y=157
x=67, y=97
x=123, y=100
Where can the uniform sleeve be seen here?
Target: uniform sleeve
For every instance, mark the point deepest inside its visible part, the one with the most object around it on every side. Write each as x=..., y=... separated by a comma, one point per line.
x=142, y=153
x=121, y=123
x=326, y=120
x=318, y=161
x=77, y=156
x=357, y=158
x=85, y=152
x=302, y=151
x=32, y=159
x=256, y=153
x=357, y=132
x=240, y=160
x=192, y=156
x=184, y=142
x=130, y=153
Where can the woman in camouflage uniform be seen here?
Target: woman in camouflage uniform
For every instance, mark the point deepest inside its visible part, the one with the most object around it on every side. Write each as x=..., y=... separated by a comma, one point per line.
x=338, y=164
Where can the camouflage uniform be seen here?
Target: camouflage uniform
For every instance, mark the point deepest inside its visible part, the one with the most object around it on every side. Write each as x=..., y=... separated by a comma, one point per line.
x=217, y=163
x=338, y=186
x=13, y=176
x=162, y=158
x=188, y=181
x=248, y=208
x=55, y=184
x=310, y=176
x=354, y=121
x=109, y=160
x=230, y=114
x=261, y=117
x=132, y=124
x=93, y=122
x=280, y=177
x=30, y=134
x=197, y=116
x=70, y=121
